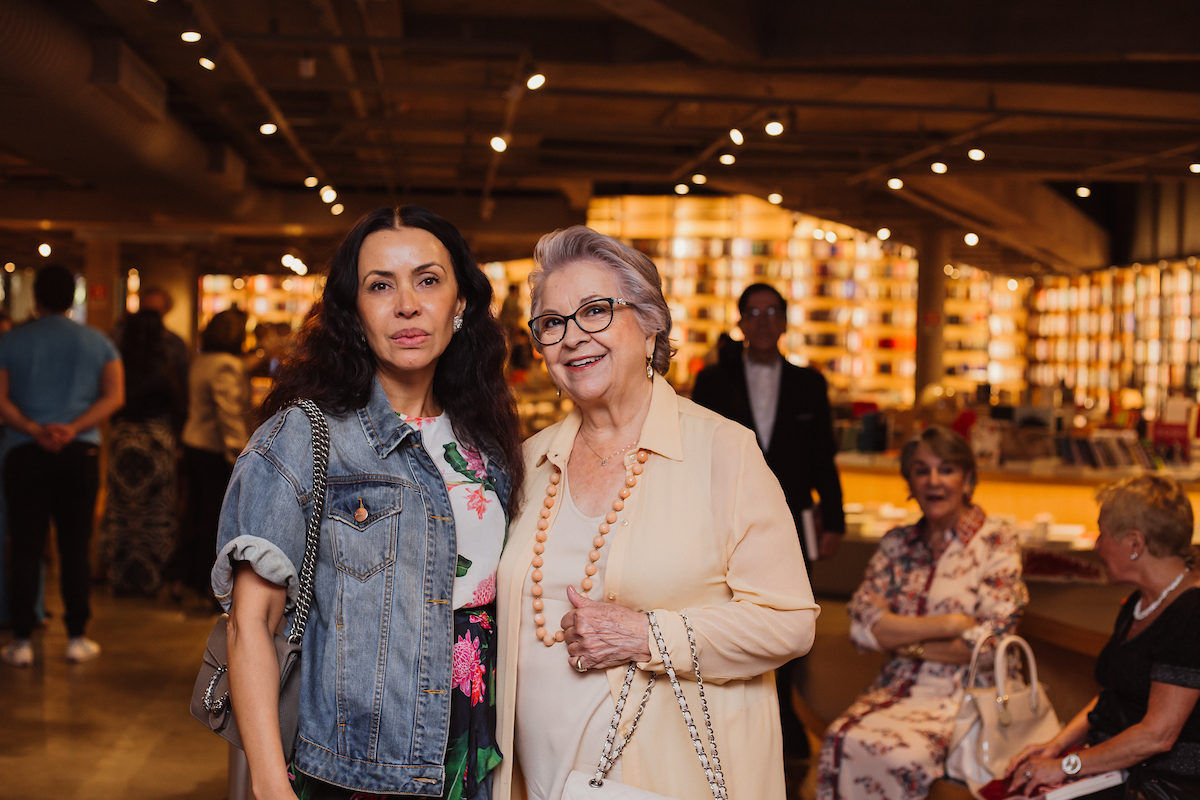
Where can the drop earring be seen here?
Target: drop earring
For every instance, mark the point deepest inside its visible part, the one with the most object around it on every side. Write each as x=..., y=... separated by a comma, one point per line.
x=457, y=323
x=650, y=367
x=557, y=392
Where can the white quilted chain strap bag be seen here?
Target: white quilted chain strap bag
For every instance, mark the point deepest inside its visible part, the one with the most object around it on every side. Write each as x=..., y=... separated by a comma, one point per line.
x=581, y=786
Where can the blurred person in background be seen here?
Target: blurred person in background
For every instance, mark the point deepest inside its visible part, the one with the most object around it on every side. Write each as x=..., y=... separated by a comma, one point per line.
x=787, y=407
x=213, y=437
x=58, y=381
x=931, y=591
x=140, y=522
x=1145, y=719
x=6, y=325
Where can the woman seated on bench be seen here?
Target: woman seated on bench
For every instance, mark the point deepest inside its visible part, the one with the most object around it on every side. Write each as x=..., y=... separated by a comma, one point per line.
x=1145, y=718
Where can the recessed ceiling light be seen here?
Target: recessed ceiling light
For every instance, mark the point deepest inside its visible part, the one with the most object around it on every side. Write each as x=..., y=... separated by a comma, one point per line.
x=311, y=181
x=536, y=81
x=287, y=259
x=818, y=233
x=1083, y=191
x=699, y=179
x=971, y=239
x=938, y=167
x=1195, y=167
x=975, y=154
x=884, y=234
x=44, y=250
x=208, y=63
x=727, y=159
x=499, y=144
x=830, y=237
x=895, y=183
x=336, y=209
x=10, y=267
x=948, y=269
x=268, y=128
x=682, y=188
x=775, y=198
x=736, y=136
x=190, y=36
x=774, y=127
x=328, y=194
x=1013, y=285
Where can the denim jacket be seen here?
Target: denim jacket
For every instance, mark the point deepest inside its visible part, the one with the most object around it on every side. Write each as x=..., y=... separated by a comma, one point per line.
x=375, y=702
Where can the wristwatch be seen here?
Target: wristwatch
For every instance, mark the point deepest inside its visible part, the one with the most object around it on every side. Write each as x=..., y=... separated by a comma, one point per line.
x=1071, y=764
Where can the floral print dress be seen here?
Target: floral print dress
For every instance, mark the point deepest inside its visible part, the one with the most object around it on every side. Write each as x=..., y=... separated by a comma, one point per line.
x=479, y=523
x=891, y=743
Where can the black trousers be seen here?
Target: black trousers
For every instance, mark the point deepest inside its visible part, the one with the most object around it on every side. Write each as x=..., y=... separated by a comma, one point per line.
x=207, y=475
x=40, y=486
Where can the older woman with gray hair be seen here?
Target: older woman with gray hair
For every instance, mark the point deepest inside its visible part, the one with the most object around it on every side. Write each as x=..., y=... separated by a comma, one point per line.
x=930, y=593
x=1145, y=719
x=639, y=501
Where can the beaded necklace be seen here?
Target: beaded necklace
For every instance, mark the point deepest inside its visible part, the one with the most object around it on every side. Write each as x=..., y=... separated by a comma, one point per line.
x=543, y=530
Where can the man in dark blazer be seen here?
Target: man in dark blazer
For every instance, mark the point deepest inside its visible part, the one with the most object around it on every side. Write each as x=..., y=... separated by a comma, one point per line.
x=788, y=409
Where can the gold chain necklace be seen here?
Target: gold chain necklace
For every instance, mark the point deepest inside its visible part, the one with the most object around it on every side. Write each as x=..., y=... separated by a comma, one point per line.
x=543, y=529
x=603, y=460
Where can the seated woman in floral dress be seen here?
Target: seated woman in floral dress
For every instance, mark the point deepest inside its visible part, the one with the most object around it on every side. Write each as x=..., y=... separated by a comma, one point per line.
x=931, y=591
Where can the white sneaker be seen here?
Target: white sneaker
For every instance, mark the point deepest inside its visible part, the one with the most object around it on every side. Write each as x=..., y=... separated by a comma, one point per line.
x=81, y=649
x=19, y=653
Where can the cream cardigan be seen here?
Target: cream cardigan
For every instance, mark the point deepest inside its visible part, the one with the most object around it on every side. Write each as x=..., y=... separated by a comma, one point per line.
x=710, y=535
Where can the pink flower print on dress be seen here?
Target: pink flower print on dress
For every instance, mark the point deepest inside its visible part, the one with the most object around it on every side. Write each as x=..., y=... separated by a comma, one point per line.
x=485, y=593
x=474, y=462
x=466, y=663
x=476, y=501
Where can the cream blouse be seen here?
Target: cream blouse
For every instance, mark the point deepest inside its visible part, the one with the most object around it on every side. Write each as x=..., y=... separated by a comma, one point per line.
x=709, y=534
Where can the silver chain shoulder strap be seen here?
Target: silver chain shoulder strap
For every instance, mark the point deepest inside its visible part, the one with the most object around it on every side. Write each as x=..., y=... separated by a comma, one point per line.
x=712, y=767
x=312, y=535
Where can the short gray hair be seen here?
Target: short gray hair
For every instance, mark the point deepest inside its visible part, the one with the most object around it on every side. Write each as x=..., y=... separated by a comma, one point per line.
x=637, y=277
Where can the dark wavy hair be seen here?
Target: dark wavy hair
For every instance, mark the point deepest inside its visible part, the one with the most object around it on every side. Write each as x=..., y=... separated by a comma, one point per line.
x=331, y=364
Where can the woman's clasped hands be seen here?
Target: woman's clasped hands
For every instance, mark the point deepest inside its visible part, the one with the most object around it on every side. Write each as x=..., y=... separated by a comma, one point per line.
x=600, y=635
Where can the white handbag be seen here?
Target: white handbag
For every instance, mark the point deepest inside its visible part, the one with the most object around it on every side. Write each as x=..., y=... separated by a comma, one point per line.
x=581, y=786
x=995, y=723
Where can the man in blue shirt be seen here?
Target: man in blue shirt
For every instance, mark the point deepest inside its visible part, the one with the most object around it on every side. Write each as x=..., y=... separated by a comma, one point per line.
x=58, y=381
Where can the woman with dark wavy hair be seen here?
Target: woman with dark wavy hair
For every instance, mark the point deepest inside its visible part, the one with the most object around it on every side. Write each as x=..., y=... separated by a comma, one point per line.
x=405, y=359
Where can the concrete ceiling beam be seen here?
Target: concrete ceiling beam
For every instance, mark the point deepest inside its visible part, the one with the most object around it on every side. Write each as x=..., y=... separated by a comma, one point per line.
x=716, y=32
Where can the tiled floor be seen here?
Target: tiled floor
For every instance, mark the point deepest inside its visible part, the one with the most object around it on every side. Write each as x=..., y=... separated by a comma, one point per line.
x=119, y=728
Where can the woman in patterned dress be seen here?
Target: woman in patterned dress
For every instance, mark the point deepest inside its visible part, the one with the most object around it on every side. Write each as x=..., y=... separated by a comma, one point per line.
x=931, y=591
x=406, y=360
x=139, y=513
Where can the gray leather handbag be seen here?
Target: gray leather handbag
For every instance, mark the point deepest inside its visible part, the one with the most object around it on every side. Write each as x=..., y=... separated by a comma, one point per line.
x=210, y=696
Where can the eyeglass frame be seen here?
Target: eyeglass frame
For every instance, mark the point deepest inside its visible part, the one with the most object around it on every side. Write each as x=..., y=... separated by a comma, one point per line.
x=613, y=302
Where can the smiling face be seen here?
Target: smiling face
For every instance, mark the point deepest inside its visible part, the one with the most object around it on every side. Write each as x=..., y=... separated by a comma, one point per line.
x=589, y=366
x=938, y=486
x=407, y=300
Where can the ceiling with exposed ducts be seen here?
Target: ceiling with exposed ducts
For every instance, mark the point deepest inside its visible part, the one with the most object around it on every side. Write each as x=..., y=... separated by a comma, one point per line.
x=110, y=127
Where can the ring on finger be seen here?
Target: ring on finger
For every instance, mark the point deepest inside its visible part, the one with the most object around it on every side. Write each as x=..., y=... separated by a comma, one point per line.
x=579, y=664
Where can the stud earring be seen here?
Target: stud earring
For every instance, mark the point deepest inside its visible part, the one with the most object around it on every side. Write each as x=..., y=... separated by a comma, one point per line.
x=650, y=367
x=457, y=323
x=1133, y=556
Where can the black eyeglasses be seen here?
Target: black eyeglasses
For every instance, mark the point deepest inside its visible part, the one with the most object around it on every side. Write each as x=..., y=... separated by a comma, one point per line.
x=591, y=317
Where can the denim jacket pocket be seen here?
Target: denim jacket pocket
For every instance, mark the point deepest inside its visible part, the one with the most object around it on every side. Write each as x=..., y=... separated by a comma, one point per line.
x=364, y=513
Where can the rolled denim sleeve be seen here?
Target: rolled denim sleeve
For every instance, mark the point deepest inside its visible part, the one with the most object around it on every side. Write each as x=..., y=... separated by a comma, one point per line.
x=262, y=524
